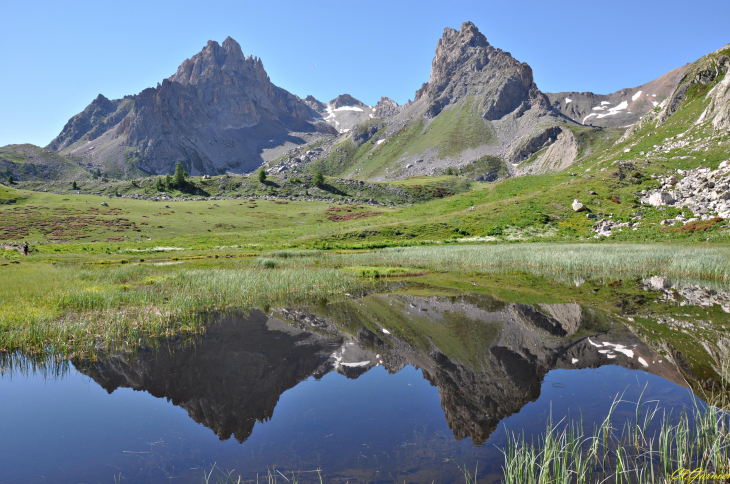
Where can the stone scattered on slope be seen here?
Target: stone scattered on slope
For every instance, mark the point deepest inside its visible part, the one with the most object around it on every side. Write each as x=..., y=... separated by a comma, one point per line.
x=605, y=227
x=703, y=191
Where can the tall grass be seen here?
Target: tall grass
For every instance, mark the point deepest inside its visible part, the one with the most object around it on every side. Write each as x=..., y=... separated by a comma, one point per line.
x=66, y=310
x=587, y=260
x=695, y=443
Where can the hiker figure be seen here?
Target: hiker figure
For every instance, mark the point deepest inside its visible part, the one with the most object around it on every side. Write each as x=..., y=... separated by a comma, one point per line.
x=25, y=248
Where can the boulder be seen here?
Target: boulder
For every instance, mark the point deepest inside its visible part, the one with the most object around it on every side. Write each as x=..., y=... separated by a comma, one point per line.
x=660, y=198
x=578, y=206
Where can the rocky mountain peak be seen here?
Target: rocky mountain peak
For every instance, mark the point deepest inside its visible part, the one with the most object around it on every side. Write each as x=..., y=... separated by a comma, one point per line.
x=213, y=58
x=345, y=100
x=466, y=65
x=218, y=112
x=386, y=107
x=318, y=106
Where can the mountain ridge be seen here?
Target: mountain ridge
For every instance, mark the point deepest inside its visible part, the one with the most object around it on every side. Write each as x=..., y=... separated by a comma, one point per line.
x=219, y=112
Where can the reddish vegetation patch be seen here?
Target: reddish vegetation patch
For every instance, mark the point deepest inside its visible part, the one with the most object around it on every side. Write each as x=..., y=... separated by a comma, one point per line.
x=614, y=199
x=435, y=192
x=352, y=216
x=698, y=226
x=115, y=239
x=60, y=223
x=350, y=213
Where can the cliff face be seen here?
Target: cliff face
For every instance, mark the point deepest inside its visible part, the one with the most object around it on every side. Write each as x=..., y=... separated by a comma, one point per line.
x=219, y=112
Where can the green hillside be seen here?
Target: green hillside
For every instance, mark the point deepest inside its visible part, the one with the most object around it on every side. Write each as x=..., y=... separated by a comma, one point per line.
x=456, y=129
x=29, y=162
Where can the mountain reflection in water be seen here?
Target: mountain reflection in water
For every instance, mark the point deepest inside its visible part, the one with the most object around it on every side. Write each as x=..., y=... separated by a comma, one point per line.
x=487, y=358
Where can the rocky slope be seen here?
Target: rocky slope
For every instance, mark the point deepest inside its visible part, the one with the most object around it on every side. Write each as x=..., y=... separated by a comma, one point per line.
x=219, y=112
x=621, y=108
x=343, y=112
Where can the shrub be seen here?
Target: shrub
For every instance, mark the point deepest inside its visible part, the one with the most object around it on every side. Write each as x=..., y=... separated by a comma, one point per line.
x=318, y=178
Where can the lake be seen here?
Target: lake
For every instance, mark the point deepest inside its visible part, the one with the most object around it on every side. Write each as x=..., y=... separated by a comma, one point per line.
x=405, y=386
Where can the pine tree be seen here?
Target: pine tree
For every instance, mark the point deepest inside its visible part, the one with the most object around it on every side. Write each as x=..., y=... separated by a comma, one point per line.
x=449, y=171
x=158, y=185
x=262, y=175
x=179, y=175
x=168, y=182
x=318, y=178
x=74, y=186
x=11, y=180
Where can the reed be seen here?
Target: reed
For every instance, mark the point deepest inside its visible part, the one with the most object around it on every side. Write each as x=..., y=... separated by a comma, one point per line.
x=694, y=443
x=99, y=307
x=615, y=261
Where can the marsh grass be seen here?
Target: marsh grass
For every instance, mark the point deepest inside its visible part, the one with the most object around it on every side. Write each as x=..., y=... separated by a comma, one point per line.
x=67, y=308
x=616, y=261
x=697, y=440
x=64, y=310
x=272, y=476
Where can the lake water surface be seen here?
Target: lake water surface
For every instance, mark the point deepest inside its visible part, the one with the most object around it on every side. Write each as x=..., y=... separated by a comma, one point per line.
x=386, y=388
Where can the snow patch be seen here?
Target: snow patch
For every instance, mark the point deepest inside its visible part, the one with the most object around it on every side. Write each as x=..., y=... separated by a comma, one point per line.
x=574, y=360
x=599, y=108
x=380, y=141
x=568, y=100
x=636, y=96
x=384, y=330
x=628, y=353
x=655, y=103
x=354, y=365
x=614, y=110
x=584, y=119
x=603, y=103
x=643, y=361
x=348, y=108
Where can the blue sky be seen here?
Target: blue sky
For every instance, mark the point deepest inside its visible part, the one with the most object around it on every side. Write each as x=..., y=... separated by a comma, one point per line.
x=55, y=57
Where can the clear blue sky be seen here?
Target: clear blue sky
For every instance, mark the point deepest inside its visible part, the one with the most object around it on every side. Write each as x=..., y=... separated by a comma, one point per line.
x=55, y=57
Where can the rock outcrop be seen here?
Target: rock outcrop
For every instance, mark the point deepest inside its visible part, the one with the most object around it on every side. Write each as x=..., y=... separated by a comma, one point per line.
x=386, y=107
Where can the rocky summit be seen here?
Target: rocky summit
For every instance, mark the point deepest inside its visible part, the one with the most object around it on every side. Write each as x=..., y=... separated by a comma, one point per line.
x=219, y=112
x=466, y=65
